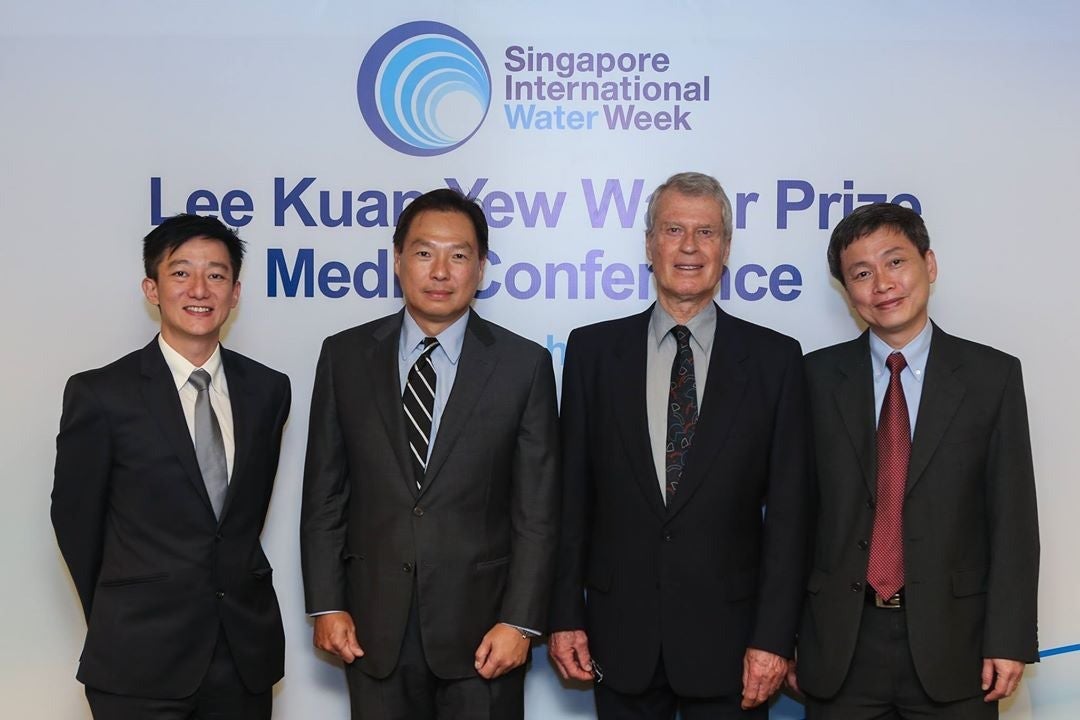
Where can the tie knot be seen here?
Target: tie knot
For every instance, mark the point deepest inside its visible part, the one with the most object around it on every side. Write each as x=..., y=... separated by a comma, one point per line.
x=895, y=362
x=430, y=344
x=200, y=379
x=682, y=335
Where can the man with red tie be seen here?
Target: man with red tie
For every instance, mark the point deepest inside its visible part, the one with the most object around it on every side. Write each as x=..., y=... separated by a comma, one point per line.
x=922, y=596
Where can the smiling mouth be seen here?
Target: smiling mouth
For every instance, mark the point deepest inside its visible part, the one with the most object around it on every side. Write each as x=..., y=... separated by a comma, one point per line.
x=688, y=267
x=199, y=309
x=889, y=304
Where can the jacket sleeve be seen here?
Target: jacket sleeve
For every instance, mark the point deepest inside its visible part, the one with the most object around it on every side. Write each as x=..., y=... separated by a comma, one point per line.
x=81, y=485
x=568, y=602
x=784, y=559
x=325, y=497
x=1013, y=521
x=535, y=498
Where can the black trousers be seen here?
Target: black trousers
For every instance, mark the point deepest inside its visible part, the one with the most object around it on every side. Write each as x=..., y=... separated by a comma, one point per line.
x=882, y=683
x=660, y=702
x=413, y=692
x=221, y=696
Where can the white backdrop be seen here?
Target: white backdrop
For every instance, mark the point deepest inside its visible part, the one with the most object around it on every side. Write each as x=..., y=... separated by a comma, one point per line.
x=967, y=110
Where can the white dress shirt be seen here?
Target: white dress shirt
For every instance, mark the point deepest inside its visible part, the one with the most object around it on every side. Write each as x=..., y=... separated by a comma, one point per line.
x=219, y=394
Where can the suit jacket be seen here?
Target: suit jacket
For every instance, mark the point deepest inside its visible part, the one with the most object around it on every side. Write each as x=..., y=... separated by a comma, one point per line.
x=705, y=578
x=158, y=575
x=477, y=543
x=971, y=539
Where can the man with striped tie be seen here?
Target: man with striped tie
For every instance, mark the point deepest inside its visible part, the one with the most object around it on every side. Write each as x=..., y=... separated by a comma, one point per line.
x=431, y=493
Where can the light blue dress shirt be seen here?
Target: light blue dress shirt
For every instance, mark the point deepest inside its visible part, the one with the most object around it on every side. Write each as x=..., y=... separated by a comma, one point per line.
x=916, y=353
x=444, y=358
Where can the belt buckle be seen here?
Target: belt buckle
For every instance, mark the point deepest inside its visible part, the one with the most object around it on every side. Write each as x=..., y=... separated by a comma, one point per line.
x=891, y=603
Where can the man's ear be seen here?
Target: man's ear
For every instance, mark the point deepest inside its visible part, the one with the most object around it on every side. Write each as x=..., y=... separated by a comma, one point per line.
x=149, y=288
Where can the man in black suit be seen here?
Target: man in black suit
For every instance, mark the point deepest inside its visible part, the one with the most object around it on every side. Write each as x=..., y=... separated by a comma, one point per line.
x=431, y=496
x=165, y=462
x=693, y=592
x=922, y=597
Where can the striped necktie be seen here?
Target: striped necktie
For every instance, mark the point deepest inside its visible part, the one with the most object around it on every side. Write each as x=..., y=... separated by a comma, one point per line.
x=419, y=403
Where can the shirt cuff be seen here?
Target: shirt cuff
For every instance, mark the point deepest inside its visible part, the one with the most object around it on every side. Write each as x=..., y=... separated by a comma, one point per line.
x=525, y=632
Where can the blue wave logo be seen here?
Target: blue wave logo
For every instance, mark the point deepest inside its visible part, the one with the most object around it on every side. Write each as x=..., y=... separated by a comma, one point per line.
x=424, y=88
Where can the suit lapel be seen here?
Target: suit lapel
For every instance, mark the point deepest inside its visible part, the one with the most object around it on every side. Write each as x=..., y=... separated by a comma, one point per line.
x=854, y=394
x=385, y=384
x=477, y=361
x=242, y=403
x=163, y=402
x=942, y=393
x=724, y=391
x=631, y=413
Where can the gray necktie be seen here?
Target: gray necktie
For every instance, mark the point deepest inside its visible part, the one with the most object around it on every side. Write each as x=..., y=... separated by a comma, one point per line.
x=209, y=447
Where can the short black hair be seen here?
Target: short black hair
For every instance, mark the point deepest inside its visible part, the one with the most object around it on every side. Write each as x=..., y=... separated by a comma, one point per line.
x=177, y=230
x=868, y=219
x=444, y=200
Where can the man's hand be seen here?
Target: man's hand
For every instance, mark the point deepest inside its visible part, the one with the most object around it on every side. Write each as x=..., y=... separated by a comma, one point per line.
x=1008, y=674
x=335, y=633
x=570, y=651
x=502, y=649
x=762, y=674
x=793, y=678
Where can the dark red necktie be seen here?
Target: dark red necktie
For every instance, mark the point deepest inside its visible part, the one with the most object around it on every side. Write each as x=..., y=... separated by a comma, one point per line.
x=885, y=571
x=682, y=411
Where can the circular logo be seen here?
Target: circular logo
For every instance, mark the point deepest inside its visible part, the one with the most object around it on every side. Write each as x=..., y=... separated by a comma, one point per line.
x=424, y=88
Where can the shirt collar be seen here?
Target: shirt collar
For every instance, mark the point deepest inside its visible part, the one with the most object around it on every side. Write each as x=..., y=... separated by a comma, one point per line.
x=450, y=340
x=915, y=352
x=182, y=368
x=702, y=326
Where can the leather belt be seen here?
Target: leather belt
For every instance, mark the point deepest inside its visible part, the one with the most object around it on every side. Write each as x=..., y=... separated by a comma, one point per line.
x=896, y=602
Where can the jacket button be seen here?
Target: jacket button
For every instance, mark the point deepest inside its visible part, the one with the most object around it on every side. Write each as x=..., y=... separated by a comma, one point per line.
x=217, y=537
x=667, y=537
x=220, y=594
x=863, y=544
x=870, y=504
x=407, y=567
x=856, y=587
x=418, y=511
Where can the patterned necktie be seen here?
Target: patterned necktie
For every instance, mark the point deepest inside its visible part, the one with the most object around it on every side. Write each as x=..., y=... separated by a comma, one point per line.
x=682, y=411
x=885, y=571
x=419, y=403
x=209, y=446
